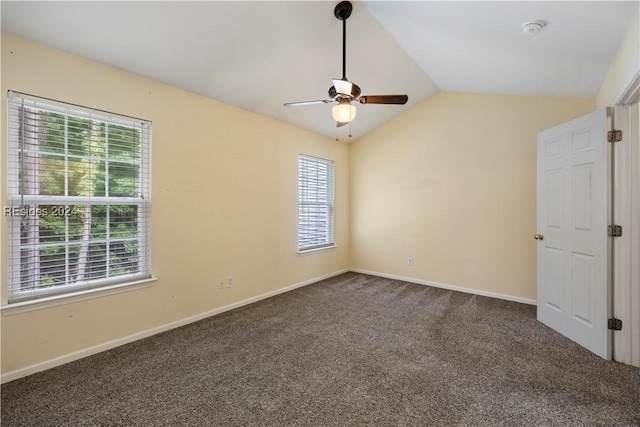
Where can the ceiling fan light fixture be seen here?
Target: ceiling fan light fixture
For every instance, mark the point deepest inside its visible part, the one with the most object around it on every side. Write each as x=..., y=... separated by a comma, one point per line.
x=344, y=112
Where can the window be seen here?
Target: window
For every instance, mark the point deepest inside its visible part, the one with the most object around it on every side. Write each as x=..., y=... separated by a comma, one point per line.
x=78, y=199
x=315, y=203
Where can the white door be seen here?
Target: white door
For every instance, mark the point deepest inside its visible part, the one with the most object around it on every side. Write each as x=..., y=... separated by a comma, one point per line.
x=573, y=210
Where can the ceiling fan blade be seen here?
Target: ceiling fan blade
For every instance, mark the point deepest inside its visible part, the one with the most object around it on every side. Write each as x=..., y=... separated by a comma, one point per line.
x=384, y=99
x=301, y=103
x=340, y=124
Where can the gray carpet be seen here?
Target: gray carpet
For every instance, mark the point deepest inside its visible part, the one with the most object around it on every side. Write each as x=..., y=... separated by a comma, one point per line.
x=351, y=350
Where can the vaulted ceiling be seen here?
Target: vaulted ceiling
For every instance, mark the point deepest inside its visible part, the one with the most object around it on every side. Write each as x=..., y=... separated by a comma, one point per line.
x=259, y=55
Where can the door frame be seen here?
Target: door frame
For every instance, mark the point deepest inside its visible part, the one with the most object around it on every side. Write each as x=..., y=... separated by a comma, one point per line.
x=626, y=212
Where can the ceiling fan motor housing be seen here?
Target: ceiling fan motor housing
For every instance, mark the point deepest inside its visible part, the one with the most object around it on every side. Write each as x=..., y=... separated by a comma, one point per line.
x=355, y=92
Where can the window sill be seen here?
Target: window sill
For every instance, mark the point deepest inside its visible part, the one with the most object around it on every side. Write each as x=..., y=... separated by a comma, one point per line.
x=311, y=251
x=53, y=301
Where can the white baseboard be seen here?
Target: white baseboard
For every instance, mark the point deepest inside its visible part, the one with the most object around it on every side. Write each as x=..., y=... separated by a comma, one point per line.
x=449, y=287
x=52, y=363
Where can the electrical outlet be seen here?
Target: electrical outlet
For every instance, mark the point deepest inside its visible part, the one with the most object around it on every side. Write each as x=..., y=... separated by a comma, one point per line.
x=222, y=283
x=230, y=282
x=410, y=260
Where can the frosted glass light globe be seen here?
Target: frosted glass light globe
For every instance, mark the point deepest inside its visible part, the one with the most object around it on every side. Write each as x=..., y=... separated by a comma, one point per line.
x=344, y=112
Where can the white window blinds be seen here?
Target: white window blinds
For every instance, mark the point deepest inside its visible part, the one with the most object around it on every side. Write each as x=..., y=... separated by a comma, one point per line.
x=78, y=213
x=315, y=203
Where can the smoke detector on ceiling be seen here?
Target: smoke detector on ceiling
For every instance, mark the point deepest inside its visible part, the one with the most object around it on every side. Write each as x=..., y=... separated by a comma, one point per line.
x=532, y=28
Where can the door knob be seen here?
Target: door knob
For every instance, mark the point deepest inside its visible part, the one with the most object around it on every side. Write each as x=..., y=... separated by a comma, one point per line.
x=538, y=236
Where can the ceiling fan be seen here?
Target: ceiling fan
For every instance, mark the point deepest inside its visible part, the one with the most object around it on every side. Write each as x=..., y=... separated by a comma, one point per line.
x=343, y=92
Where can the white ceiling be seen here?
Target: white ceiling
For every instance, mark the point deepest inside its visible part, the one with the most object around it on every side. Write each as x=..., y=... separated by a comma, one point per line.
x=259, y=55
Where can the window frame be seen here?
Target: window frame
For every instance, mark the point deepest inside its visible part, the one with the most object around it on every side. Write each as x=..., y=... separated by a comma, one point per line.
x=17, y=200
x=329, y=202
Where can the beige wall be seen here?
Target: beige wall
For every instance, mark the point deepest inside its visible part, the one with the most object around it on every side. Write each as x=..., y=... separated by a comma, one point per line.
x=224, y=203
x=452, y=184
x=624, y=68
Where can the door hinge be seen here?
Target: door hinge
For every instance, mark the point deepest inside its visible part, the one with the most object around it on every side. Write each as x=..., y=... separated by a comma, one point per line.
x=614, y=324
x=614, y=231
x=614, y=136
